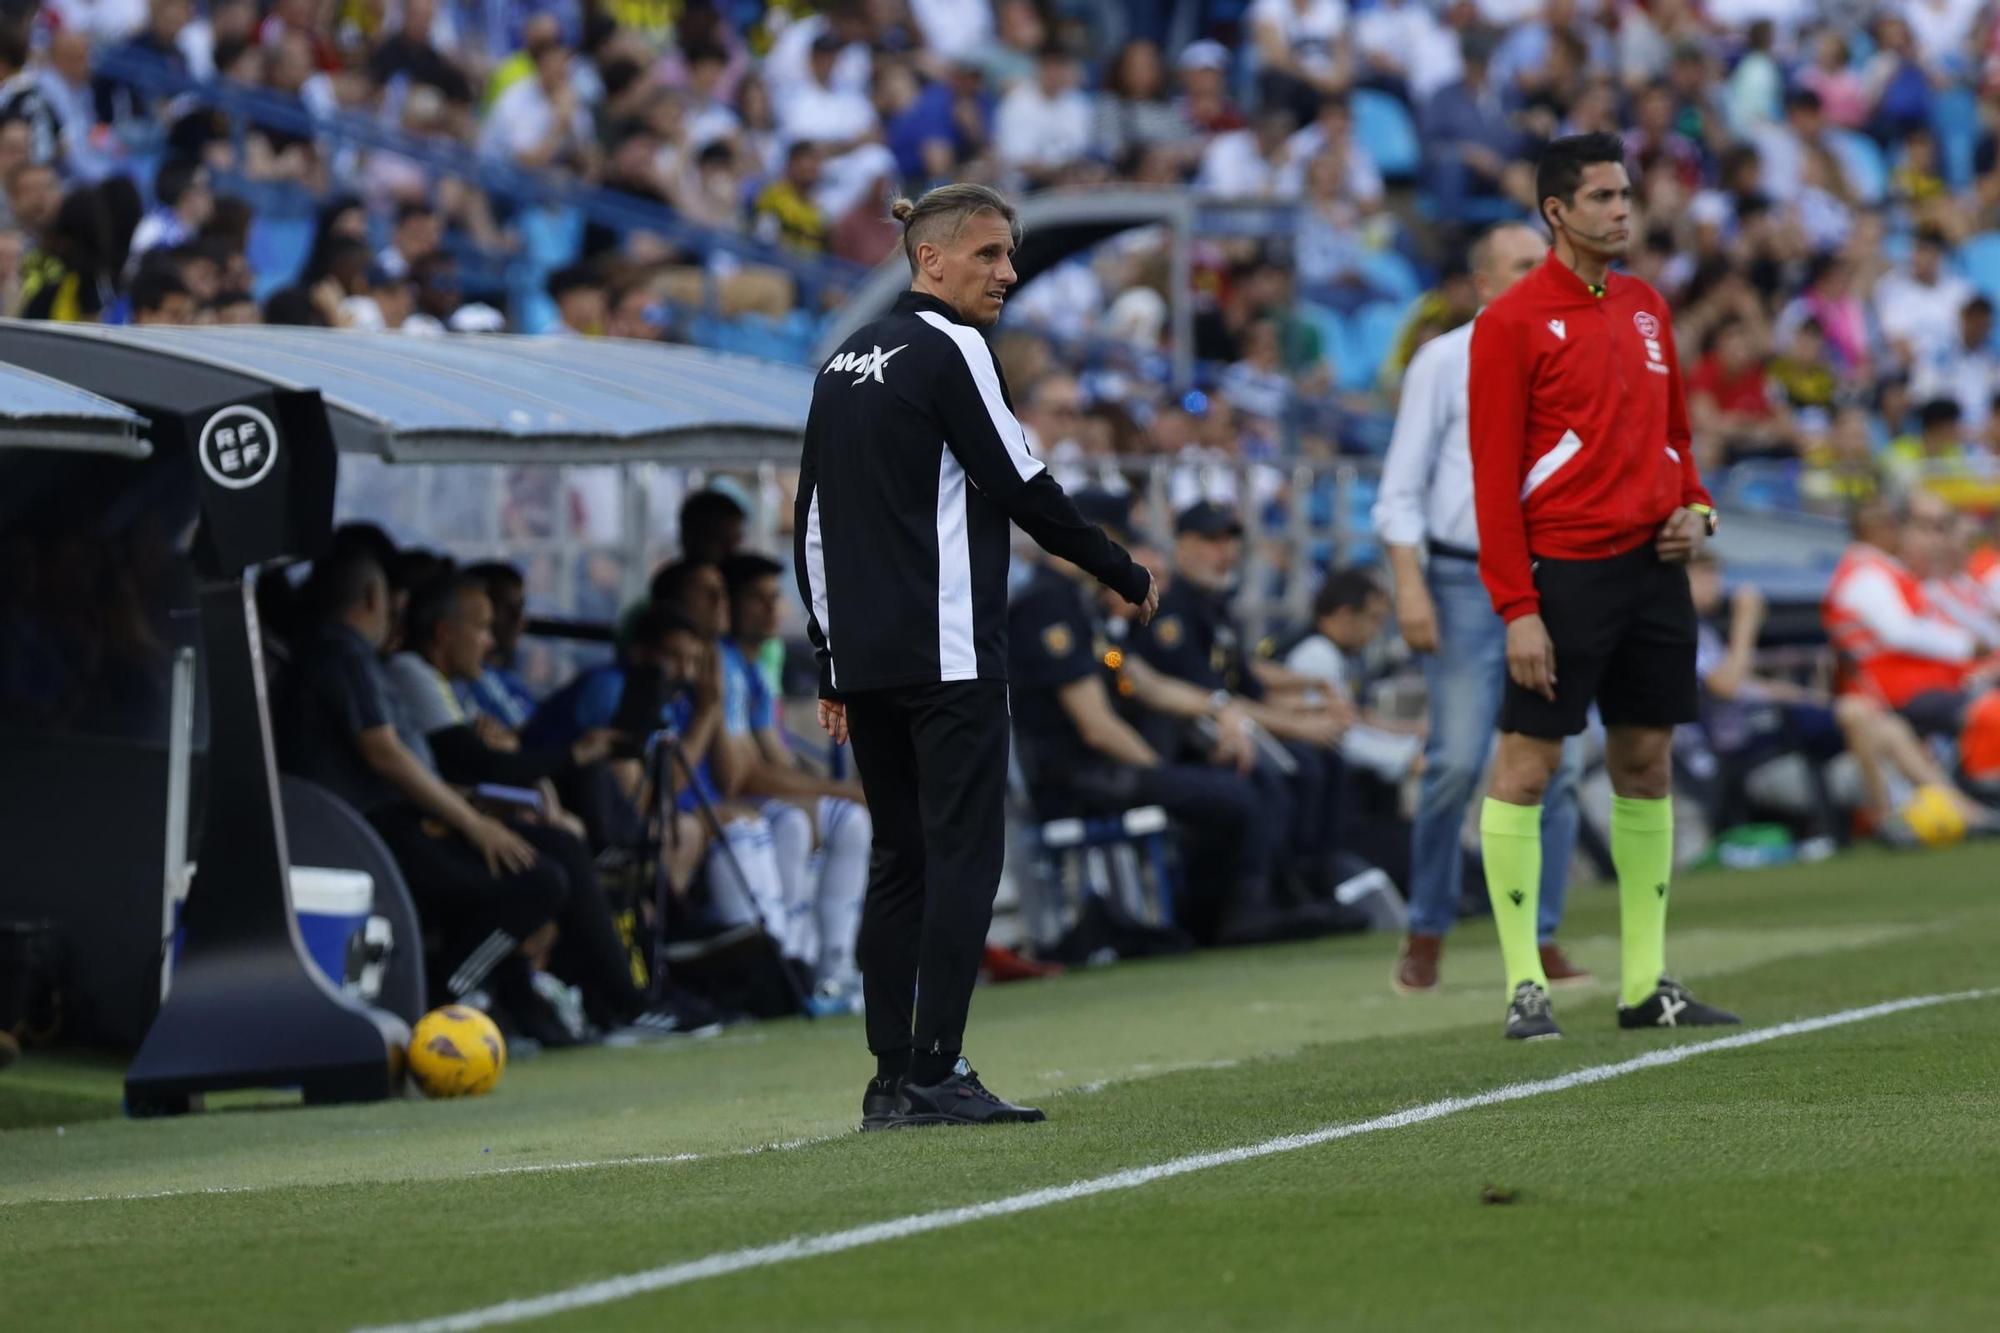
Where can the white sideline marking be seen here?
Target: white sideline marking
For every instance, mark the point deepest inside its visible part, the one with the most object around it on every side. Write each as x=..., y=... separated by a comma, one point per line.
x=809, y=1247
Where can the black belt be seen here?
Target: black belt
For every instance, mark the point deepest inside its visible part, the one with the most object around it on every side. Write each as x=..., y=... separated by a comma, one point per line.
x=1450, y=552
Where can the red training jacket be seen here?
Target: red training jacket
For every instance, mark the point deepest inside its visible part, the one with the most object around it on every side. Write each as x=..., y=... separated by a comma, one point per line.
x=1578, y=424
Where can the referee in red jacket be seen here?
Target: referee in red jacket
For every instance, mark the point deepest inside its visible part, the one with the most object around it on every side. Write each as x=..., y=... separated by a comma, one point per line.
x=1589, y=508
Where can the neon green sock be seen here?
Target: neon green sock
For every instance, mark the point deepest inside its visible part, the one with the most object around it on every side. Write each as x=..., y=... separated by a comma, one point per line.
x=1642, y=848
x=1510, y=839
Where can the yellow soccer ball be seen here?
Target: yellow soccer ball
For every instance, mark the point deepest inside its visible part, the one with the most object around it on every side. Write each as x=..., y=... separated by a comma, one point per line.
x=456, y=1052
x=1934, y=817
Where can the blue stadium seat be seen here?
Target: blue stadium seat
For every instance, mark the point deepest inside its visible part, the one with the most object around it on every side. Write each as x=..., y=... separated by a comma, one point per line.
x=1370, y=335
x=277, y=250
x=551, y=238
x=1979, y=260
x=1392, y=277
x=1955, y=122
x=1383, y=126
x=1860, y=157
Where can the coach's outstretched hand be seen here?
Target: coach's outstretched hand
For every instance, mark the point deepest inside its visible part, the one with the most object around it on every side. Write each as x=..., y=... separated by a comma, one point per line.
x=1531, y=656
x=1681, y=536
x=1152, y=602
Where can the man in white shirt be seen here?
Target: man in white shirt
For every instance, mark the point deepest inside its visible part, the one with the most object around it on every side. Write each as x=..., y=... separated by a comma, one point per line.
x=819, y=110
x=1251, y=164
x=1401, y=41
x=1919, y=309
x=1043, y=126
x=541, y=121
x=1334, y=125
x=1444, y=613
x=1967, y=371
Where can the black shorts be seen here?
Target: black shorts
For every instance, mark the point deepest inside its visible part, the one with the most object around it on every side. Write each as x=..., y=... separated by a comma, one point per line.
x=1624, y=633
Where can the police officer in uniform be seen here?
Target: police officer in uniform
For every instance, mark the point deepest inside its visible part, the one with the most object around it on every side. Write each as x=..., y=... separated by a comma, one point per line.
x=1195, y=639
x=1100, y=731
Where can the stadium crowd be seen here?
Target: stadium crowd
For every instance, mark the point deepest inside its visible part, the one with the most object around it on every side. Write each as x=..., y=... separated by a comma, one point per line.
x=1816, y=185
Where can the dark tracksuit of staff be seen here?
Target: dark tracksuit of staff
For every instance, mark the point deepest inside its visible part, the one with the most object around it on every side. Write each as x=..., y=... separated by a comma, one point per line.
x=912, y=469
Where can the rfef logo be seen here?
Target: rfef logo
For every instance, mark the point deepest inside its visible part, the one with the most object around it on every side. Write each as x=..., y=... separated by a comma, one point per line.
x=238, y=447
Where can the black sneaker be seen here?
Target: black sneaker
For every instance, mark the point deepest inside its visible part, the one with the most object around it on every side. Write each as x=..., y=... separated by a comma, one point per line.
x=960, y=1099
x=1529, y=1017
x=880, y=1104
x=1670, y=1006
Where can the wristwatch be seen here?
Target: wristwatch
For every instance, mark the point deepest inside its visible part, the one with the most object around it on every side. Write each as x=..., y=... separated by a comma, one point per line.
x=1219, y=701
x=1707, y=513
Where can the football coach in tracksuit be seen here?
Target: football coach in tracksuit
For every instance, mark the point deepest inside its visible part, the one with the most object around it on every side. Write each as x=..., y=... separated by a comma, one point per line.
x=913, y=466
x=1589, y=509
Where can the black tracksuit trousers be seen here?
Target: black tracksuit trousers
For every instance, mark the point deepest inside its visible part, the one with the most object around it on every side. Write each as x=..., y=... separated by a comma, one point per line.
x=933, y=761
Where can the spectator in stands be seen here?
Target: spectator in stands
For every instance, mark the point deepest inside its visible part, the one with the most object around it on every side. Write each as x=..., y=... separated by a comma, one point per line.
x=1967, y=370
x=1135, y=112
x=409, y=53
x=824, y=111
x=756, y=764
x=578, y=292
x=785, y=212
x=1731, y=405
x=542, y=121
x=1102, y=731
x=479, y=882
x=1918, y=308
x=232, y=306
x=866, y=234
x=1252, y=163
x=34, y=193
x=1842, y=470
x=1042, y=130
x=1938, y=450
x=1303, y=52
x=159, y=41
x=68, y=277
x=417, y=236
x=159, y=297
x=1756, y=86
x=1204, y=74
x=1803, y=376
x=1471, y=147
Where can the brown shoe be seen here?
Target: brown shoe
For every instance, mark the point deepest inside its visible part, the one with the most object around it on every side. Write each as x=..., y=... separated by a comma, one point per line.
x=1417, y=966
x=1560, y=970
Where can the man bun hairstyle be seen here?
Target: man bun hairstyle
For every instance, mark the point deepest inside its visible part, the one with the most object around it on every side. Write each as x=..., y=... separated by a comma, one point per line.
x=941, y=214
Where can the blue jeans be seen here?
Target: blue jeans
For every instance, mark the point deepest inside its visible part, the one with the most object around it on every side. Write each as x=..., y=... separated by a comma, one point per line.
x=1466, y=676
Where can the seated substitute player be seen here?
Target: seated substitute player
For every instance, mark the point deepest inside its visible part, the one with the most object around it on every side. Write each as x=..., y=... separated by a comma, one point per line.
x=1589, y=509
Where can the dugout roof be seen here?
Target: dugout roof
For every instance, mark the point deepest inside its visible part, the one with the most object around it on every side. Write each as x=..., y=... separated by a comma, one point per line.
x=497, y=398
x=37, y=412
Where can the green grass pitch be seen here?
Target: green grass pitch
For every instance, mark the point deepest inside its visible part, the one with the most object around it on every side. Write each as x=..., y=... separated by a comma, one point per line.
x=1837, y=1179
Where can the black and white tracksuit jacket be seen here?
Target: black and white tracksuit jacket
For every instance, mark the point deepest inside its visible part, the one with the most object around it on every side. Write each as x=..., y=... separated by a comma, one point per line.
x=913, y=466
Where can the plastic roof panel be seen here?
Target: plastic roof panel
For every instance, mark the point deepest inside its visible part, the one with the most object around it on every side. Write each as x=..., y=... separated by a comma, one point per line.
x=37, y=412
x=499, y=398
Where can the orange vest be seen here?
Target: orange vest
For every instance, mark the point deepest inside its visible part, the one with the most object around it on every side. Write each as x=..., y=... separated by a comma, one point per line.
x=1887, y=674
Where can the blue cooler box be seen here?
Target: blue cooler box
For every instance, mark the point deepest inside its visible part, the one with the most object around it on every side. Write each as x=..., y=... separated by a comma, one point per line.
x=332, y=907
